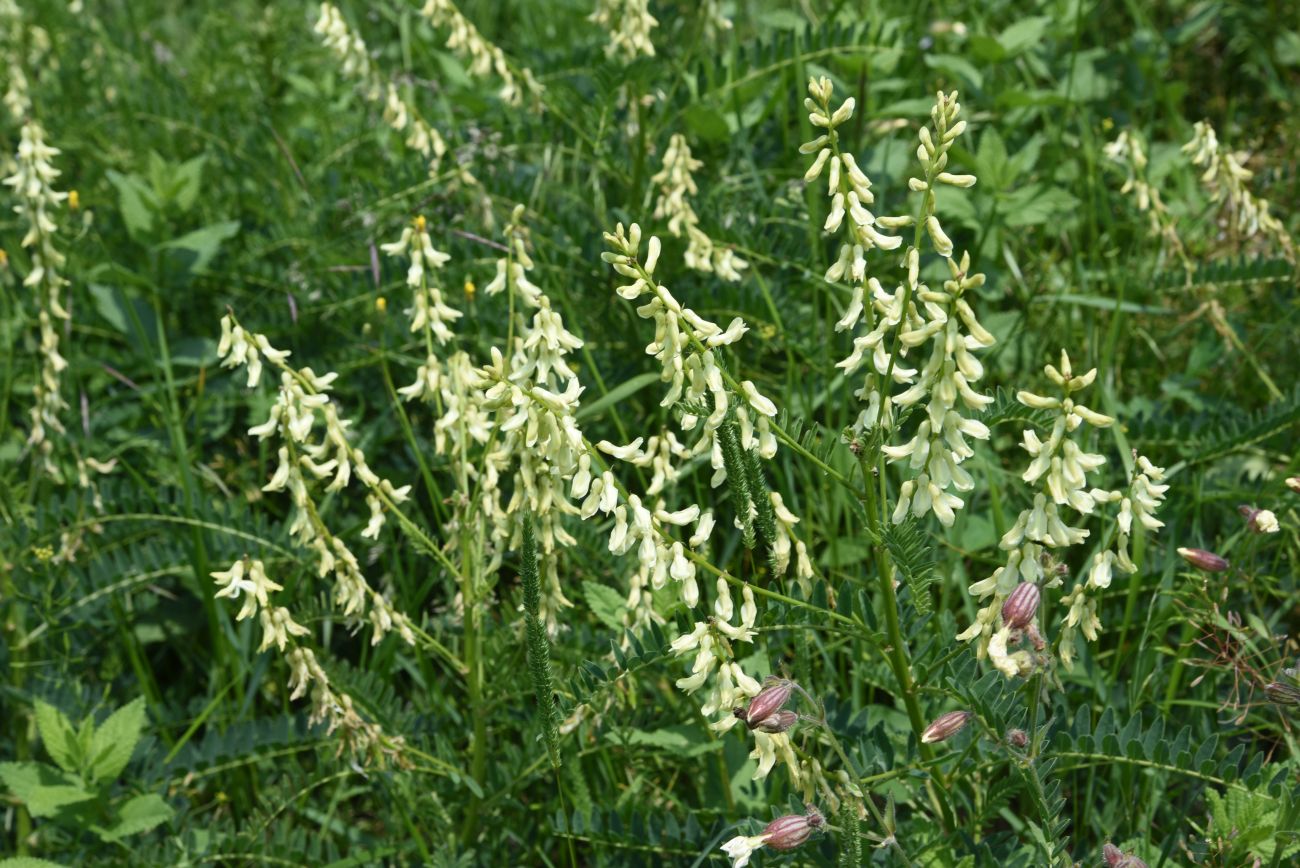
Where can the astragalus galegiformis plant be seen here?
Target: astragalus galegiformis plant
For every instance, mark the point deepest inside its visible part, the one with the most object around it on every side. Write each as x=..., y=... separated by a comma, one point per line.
x=786, y=533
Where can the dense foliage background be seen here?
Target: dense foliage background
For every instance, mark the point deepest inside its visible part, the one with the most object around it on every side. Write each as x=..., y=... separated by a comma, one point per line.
x=223, y=160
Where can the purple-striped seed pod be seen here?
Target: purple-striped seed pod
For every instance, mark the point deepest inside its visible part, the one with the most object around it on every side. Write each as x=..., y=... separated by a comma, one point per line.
x=768, y=702
x=1282, y=693
x=1203, y=560
x=788, y=832
x=1021, y=607
x=945, y=726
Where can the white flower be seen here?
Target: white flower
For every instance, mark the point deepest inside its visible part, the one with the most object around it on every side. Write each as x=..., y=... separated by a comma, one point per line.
x=740, y=848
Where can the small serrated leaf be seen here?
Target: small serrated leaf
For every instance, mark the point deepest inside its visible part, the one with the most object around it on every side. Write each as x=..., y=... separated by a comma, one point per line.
x=115, y=740
x=58, y=736
x=139, y=814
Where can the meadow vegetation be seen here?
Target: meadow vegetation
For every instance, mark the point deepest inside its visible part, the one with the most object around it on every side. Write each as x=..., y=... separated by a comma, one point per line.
x=615, y=432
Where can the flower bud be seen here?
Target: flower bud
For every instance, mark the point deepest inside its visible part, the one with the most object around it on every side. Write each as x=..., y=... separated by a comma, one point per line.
x=1017, y=738
x=1203, y=560
x=945, y=726
x=788, y=832
x=1293, y=483
x=1282, y=693
x=1020, y=608
x=768, y=702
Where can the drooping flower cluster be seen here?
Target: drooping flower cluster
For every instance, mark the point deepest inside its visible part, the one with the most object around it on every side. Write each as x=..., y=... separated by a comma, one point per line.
x=32, y=185
x=676, y=185
x=1228, y=181
x=246, y=580
x=910, y=317
x=16, y=96
x=629, y=23
x=484, y=58
x=1035, y=543
x=733, y=421
x=1128, y=152
x=685, y=345
x=349, y=49
x=302, y=404
x=531, y=393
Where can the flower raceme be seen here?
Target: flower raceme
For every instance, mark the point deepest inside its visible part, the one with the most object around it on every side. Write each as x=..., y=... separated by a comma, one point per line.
x=676, y=184
x=1059, y=469
x=910, y=317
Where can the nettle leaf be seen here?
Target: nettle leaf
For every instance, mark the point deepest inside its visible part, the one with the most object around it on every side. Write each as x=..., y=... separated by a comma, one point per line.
x=136, y=202
x=140, y=814
x=606, y=603
x=43, y=789
x=1023, y=35
x=186, y=181
x=197, y=249
x=115, y=740
x=58, y=736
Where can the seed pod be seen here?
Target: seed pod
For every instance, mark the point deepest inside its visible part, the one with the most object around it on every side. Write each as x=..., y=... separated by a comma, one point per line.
x=780, y=722
x=768, y=702
x=945, y=726
x=1203, y=560
x=788, y=832
x=1021, y=606
x=1282, y=693
x=1017, y=738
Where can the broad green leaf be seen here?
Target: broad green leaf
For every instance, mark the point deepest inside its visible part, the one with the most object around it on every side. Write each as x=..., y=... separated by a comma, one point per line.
x=117, y=307
x=28, y=862
x=606, y=603
x=115, y=741
x=58, y=736
x=136, y=201
x=43, y=789
x=992, y=164
x=1023, y=35
x=186, y=182
x=956, y=66
x=1034, y=206
x=200, y=246
x=140, y=814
